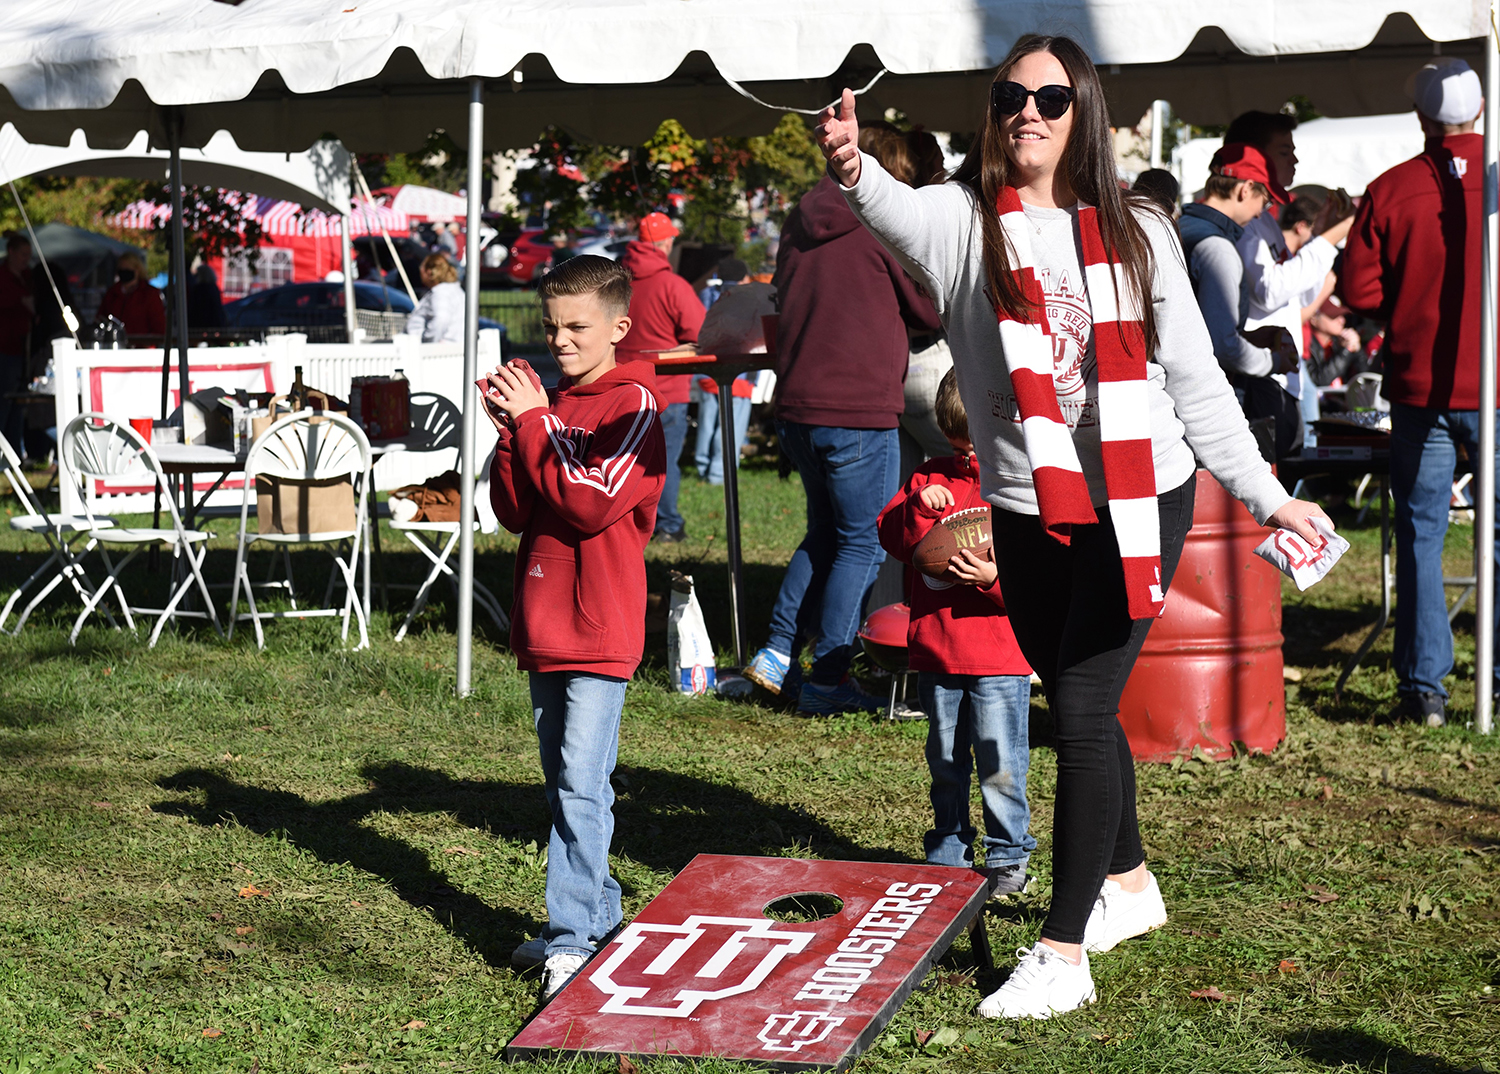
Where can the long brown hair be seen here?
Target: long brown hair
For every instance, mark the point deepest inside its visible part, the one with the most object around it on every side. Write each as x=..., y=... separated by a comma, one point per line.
x=1088, y=164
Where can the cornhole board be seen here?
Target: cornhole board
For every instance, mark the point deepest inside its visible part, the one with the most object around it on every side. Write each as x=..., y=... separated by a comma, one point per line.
x=702, y=971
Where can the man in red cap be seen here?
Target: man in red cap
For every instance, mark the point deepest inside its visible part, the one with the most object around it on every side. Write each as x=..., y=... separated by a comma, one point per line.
x=664, y=313
x=1413, y=262
x=1240, y=185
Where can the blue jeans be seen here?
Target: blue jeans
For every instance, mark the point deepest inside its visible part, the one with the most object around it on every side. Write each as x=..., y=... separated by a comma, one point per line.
x=1423, y=452
x=986, y=715
x=848, y=475
x=674, y=423
x=578, y=731
x=708, y=456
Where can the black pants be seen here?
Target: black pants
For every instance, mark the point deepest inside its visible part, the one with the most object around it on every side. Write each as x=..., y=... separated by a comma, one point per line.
x=1069, y=610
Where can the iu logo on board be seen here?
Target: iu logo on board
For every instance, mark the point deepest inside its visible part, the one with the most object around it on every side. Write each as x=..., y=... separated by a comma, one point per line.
x=666, y=971
x=795, y=1031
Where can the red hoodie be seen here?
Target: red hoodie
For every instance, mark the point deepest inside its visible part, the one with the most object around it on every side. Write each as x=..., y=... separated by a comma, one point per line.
x=664, y=311
x=1412, y=260
x=141, y=309
x=579, y=482
x=841, y=344
x=955, y=629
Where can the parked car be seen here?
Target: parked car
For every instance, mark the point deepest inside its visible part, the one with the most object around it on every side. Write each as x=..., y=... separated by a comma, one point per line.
x=320, y=304
x=610, y=246
x=530, y=253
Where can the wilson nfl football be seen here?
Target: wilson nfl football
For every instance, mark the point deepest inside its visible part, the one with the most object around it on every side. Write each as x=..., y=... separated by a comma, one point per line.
x=969, y=528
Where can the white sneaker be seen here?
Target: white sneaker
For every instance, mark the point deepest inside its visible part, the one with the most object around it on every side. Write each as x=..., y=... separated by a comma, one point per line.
x=529, y=954
x=558, y=971
x=1043, y=983
x=1119, y=914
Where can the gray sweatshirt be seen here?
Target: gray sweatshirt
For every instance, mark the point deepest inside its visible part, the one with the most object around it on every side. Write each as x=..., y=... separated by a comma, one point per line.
x=935, y=235
x=1218, y=269
x=439, y=317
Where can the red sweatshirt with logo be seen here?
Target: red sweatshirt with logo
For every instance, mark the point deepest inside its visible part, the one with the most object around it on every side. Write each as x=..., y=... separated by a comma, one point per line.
x=664, y=312
x=955, y=629
x=1412, y=260
x=579, y=481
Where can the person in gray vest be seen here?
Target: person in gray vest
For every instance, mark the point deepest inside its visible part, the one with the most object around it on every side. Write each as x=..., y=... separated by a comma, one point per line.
x=1239, y=187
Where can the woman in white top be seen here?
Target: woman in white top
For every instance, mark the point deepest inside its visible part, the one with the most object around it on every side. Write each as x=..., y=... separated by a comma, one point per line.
x=439, y=317
x=1039, y=264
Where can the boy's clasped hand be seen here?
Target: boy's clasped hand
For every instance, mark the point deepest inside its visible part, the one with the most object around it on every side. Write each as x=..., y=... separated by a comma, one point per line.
x=509, y=392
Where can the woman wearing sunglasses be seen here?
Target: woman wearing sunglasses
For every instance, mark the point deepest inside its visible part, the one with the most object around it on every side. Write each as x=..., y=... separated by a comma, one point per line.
x=1090, y=384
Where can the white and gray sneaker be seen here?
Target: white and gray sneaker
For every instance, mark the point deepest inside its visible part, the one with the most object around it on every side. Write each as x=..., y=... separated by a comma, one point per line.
x=531, y=953
x=558, y=970
x=1119, y=914
x=1043, y=983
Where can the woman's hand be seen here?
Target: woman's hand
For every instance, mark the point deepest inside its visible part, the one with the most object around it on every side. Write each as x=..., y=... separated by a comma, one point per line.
x=1296, y=515
x=935, y=497
x=968, y=569
x=837, y=136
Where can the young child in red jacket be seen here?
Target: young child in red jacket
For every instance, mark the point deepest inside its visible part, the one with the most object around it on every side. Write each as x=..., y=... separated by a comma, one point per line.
x=578, y=476
x=974, y=683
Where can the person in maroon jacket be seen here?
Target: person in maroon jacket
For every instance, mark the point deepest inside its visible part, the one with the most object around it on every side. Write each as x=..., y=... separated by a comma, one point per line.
x=841, y=351
x=17, y=315
x=1413, y=261
x=577, y=475
x=974, y=682
x=664, y=313
x=134, y=301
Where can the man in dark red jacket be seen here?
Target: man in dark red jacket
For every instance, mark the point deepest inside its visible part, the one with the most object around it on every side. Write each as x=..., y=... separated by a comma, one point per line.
x=17, y=315
x=1413, y=261
x=664, y=313
x=841, y=351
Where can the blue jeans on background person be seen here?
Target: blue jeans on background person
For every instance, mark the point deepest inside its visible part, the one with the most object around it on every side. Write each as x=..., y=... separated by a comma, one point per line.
x=987, y=715
x=13, y=414
x=1423, y=452
x=708, y=456
x=578, y=735
x=848, y=475
x=674, y=423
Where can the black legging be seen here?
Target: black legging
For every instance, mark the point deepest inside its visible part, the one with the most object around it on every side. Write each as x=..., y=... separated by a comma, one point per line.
x=1068, y=606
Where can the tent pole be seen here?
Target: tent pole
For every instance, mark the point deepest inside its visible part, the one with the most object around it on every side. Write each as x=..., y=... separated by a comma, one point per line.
x=471, y=362
x=179, y=256
x=1484, y=502
x=347, y=251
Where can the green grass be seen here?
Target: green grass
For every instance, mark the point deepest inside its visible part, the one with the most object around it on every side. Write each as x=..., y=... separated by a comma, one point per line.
x=326, y=858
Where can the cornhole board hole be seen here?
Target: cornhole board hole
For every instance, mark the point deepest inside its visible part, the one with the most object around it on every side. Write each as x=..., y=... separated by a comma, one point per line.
x=703, y=971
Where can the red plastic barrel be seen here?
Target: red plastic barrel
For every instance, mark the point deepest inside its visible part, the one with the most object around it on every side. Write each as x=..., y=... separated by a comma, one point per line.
x=1210, y=673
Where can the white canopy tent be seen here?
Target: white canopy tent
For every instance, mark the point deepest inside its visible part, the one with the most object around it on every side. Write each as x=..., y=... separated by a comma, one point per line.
x=1346, y=152
x=382, y=74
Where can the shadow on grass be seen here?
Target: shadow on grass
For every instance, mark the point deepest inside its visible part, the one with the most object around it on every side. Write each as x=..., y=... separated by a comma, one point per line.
x=1342, y=1048
x=662, y=820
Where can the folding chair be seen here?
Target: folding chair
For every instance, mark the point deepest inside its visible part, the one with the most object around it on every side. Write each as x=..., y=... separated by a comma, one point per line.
x=440, y=420
x=97, y=447
x=59, y=531
x=301, y=448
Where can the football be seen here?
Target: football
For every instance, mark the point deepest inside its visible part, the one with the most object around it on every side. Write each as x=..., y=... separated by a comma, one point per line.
x=969, y=528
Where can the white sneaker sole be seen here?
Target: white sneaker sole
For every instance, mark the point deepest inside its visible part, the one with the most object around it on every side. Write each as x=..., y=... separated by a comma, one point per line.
x=996, y=1012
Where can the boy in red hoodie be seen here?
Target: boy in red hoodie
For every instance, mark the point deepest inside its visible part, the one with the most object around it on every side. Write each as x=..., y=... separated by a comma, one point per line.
x=974, y=683
x=578, y=476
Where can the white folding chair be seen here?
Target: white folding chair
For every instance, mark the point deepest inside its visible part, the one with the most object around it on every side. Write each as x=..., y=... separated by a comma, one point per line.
x=97, y=447
x=298, y=448
x=60, y=532
x=440, y=420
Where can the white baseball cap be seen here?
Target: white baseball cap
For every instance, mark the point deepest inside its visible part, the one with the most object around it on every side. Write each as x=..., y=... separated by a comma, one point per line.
x=1446, y=90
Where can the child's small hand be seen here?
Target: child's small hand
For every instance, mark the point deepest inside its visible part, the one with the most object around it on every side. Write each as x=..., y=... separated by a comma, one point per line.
x=516, y=394
x=968, y=569
x=936, y=497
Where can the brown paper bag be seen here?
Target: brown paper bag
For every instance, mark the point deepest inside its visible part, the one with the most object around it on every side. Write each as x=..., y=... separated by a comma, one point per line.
x=286, y=506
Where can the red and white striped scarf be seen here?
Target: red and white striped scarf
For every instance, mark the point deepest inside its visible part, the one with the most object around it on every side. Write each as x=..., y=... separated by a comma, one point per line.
x=1062, y=494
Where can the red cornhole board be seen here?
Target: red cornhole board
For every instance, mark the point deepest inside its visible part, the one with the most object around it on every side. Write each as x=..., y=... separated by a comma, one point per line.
x=702, y=971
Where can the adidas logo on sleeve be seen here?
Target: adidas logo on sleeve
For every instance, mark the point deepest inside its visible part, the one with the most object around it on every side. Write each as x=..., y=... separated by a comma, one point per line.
x=536, y=571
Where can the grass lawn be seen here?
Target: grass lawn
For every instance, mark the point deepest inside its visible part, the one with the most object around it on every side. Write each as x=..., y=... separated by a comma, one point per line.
x=307, y=859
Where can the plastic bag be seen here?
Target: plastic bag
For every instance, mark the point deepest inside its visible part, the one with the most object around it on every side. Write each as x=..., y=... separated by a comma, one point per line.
x=690, y=653
x=1299, y=561
x=733, y=324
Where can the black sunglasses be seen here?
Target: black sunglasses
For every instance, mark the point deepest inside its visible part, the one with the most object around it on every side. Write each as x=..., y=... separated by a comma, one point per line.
x=1008, y=98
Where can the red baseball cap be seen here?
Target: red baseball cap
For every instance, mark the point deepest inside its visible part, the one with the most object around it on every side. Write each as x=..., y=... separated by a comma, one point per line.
x=657, y=226
x=1237, y=160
